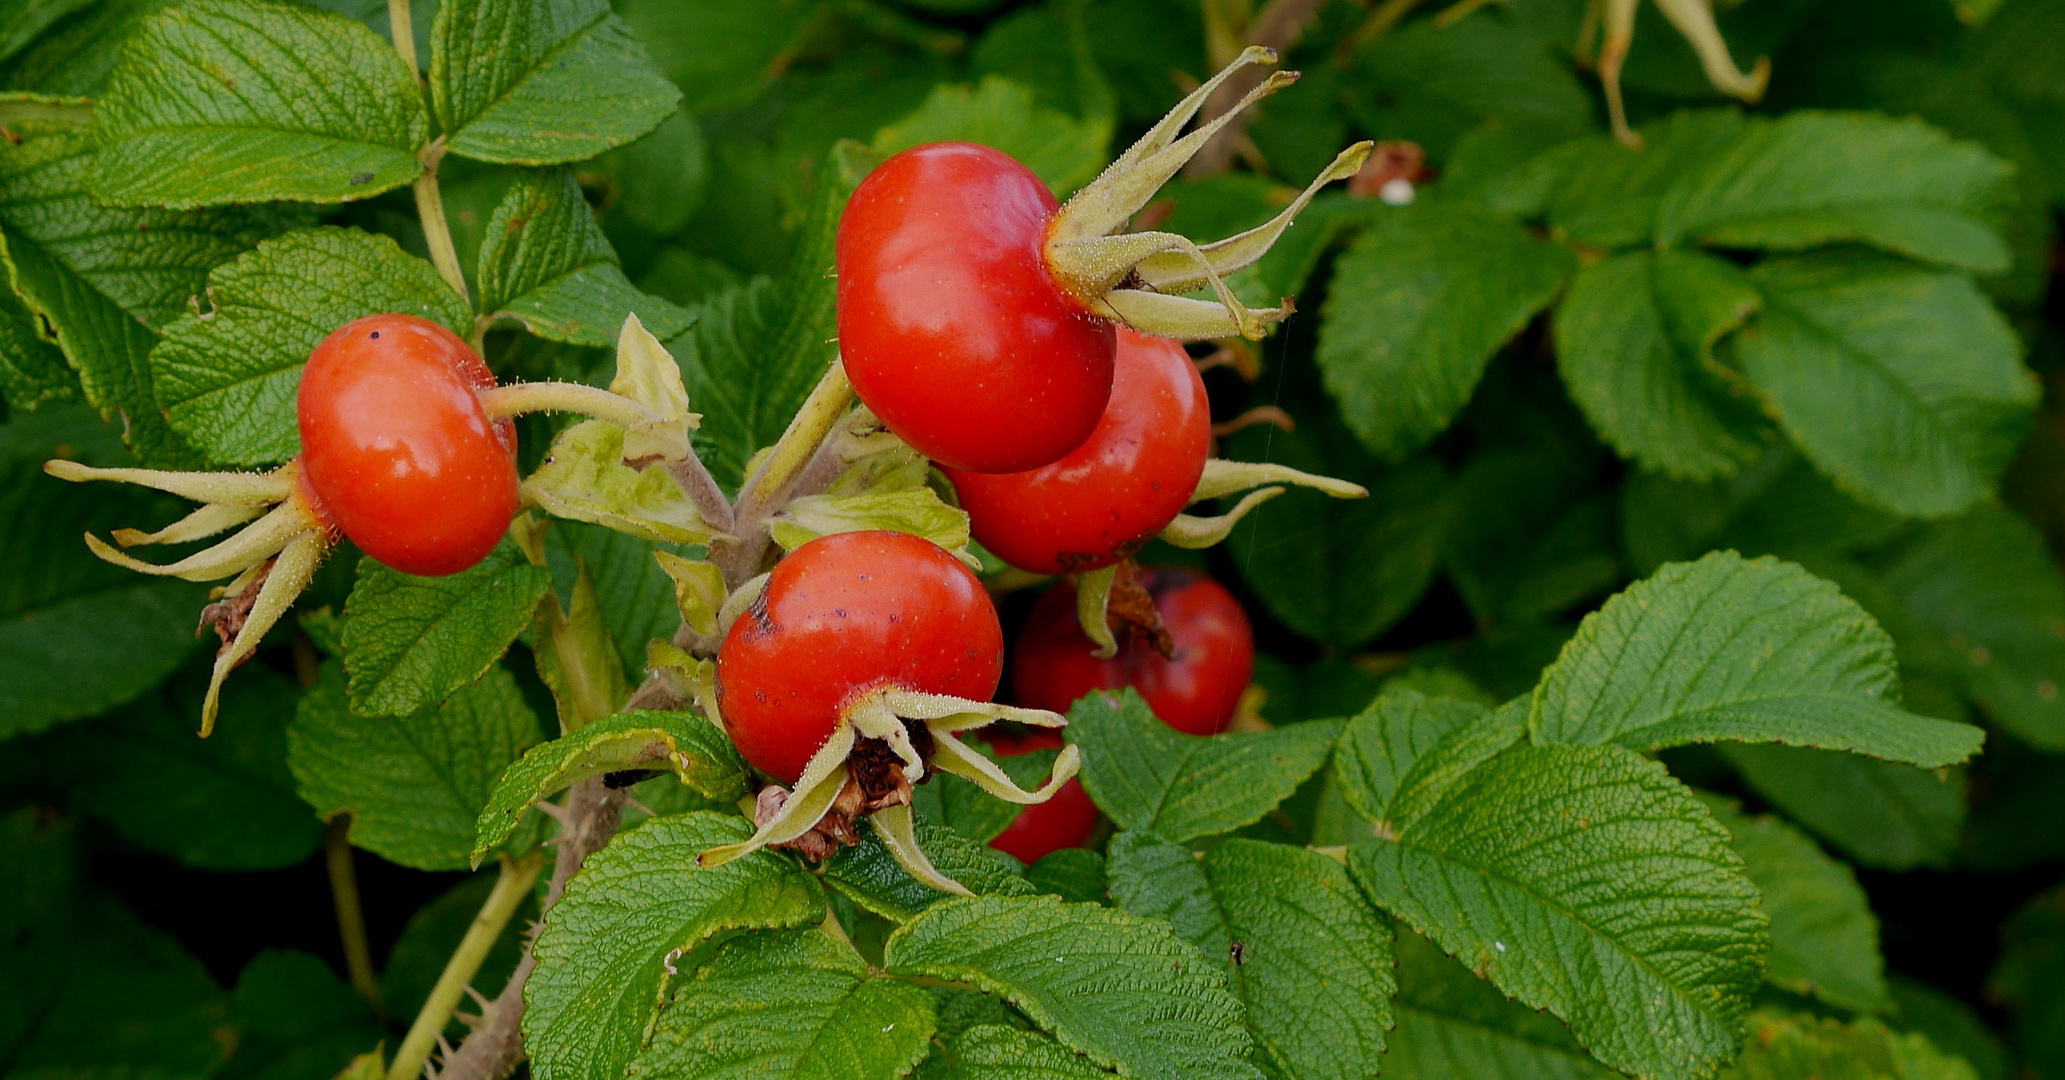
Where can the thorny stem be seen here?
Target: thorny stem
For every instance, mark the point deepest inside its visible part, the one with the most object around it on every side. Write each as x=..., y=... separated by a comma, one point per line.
x=775, y=480
x=351, y=918
x=496, y=1045
x=510, y=889
x=1277, y=26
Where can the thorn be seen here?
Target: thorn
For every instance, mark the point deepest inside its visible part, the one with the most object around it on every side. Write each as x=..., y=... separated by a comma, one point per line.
x=479, y=999
x=552, y=810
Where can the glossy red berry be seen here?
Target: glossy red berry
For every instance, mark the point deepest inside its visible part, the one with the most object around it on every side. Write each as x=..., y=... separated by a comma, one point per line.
x=1110, y=495
x=1064, y=821
x=842, y=615
x=952, y=327
x=1197, y=692
x=396, y=449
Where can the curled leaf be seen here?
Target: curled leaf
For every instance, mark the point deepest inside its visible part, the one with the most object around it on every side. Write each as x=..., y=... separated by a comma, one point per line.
x=648, y=375
x=698, y=590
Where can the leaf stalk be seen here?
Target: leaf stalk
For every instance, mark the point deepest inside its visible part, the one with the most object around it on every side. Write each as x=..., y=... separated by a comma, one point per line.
x=510, y=889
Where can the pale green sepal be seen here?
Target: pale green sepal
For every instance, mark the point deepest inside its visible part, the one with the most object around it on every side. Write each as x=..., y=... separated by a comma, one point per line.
x=236, y=488
x=918, y=511
x=648, y=375
x=1101, y=262
x=584, y=478
x=1176, y=273
x=819, y=786
x=872, y=718
x=1093, y=597
x=254, y=545
x=740, y=599
x=290, y=574
x=1222, y=477
x=210, y=519
x=1191, y=531
x=952, y=714
x=689, y=677
x=951, y=755
x=897, y=828
x=698, y=590
x=1179, y=317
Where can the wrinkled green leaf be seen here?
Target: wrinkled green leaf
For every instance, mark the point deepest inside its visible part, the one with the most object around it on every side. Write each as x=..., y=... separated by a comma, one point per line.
x=231, y=101
x=414, y=785
x=294, y=1018
x=1417, y=307
x=1634, y=343
x=1812, y=178
x=539, y=82
x=1125, y=991
x=1452, y=1023
x=1064, y=152
x=1606, y=194
x=1585, y=881
x=636, y=908
x=1399, y=757
x=998, y=1052
x=1731, y=649
x=1824, y=938
x=1901, y=383
x=227, y=372
x=546, y=264
x=32, y=370
x=690, y=747
x=869, y=875
x=1314, y=964
x=1882, y=814
x=789, y=1004
x=1147, y=775
x=1787, y=1047
x=410, y=641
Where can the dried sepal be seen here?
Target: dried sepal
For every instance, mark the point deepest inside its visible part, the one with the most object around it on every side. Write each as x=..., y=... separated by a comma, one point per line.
x=822, y=780
x=584, y=478
x=291, y=573
x=1132, y=277
x=897, y=827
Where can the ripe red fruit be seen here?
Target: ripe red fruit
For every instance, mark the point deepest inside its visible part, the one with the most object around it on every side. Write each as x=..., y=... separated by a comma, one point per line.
x=1110, y=495
x=842, y=615
x=1063, y=821
x=396, y=449
x=952, y=326
x=1197, y=692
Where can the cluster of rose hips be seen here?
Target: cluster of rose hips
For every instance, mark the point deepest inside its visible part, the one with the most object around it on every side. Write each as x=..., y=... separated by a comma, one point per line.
x=1030, y=351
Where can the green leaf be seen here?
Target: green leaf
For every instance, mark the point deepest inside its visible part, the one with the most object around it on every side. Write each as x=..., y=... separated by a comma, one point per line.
x=237, y=101
x=76, y=55
x=1452, y=1023
x=790, y=1004
x=546, y=264
x=756, y=35
x=1882, y=814
x=1146, y=775
x=997, y=1052
x=1340, y=571
x=295, y=1019
x=757, y=349
x=690, y=747
x=1788, y=1047
x=1529, y=535
x=226, y=377
x=222, y=803
x=77, y=635
x=1064, y=152
x=539, y=82
x=659, y=180
x=1950, y=1024
x=1314, y=964
x=414, y=786
x=1073, y=874
x=434, y=931
x=2030, y=978
x=1813, y=178
x=870, y=876
x=1824, y=938
x=105, y=279
x=1903, y=384
x=32, y=370
x=1399, y=757
x=637, y=599
x=1125, y=991
x=1985, y=591
x=1417, y=307
x=1427, y=83
x=22, y=20
x=1606, y=194
x=410, y=641
x=1585, y=881
x=1738, y=650
x=1634, y=344
x=638, y=906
